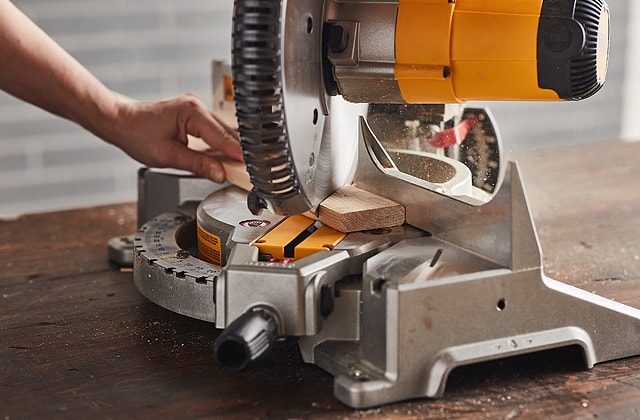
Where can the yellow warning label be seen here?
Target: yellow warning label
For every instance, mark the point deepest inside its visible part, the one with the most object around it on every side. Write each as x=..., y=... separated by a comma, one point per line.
x=209, y=247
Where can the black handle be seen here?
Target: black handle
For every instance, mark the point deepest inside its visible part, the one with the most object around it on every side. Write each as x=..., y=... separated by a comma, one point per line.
x=246, y=340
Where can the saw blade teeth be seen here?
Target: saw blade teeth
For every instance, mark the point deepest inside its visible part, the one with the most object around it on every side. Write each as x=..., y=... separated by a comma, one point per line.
x=257, y=79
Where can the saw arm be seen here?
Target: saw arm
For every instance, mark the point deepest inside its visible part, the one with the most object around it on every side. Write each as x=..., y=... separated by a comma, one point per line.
x=302, y=67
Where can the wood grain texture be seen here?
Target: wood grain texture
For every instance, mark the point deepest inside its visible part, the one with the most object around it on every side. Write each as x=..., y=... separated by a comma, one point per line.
x=351, y=209
x=78, y=341
x=236, y=172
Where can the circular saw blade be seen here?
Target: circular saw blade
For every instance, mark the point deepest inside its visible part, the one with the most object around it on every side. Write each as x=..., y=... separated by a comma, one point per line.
x=282, y=108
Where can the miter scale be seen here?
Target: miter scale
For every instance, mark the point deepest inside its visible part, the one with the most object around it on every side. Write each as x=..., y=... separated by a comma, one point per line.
x=369, y=94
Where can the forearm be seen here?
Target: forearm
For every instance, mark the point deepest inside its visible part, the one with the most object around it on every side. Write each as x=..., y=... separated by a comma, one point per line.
x=37, y=70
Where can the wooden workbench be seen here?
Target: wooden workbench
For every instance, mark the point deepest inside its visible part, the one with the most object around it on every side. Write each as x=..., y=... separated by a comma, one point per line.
x=77, y=340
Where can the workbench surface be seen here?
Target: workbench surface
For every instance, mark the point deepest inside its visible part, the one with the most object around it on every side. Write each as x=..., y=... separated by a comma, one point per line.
x=77, y=340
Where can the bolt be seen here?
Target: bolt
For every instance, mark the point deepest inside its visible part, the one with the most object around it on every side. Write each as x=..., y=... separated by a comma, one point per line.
x=446, y=72
x=183, y=254
x=179, y=220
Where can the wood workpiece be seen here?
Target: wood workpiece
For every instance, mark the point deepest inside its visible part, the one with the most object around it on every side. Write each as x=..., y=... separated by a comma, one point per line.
x=77, y=340
x=351, y=209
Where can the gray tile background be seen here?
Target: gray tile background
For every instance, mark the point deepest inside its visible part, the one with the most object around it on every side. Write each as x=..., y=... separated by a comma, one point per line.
x=150, y=49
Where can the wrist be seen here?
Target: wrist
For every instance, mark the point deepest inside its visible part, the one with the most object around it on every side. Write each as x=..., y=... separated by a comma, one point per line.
x=107, y=121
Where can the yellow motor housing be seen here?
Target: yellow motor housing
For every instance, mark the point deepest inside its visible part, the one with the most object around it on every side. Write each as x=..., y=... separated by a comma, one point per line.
x=497, y=50
x=448, y=51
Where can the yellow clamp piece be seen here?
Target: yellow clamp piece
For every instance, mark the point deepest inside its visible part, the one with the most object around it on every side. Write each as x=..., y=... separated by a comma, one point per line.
x=323, y=239
x=296, y=237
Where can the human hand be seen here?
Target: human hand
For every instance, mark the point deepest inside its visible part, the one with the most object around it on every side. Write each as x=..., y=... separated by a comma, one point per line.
x=156, y=134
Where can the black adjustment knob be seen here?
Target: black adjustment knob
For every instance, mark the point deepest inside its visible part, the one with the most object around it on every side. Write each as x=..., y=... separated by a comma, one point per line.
x=246, y=340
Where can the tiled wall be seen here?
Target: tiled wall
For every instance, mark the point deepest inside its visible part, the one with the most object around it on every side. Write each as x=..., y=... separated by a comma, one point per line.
x=146, y=49
x=538, y=124
x=150, y=49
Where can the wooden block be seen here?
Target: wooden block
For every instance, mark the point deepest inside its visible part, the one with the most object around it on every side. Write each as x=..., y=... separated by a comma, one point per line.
x=351, y=209
x=236, y=171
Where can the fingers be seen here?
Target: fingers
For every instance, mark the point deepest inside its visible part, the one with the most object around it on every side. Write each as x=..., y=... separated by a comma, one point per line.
x=202, y=123
x=156, y=135
x=199, y=163
x=227, y=142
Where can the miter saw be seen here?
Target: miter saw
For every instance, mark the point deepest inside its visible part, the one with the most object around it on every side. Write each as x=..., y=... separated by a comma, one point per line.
x=369, y=94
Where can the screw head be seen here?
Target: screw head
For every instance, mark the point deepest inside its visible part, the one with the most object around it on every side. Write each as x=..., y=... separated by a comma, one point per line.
x=183, y=254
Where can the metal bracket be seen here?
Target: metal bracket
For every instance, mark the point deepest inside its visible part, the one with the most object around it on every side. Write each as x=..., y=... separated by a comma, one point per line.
x=432, y=304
